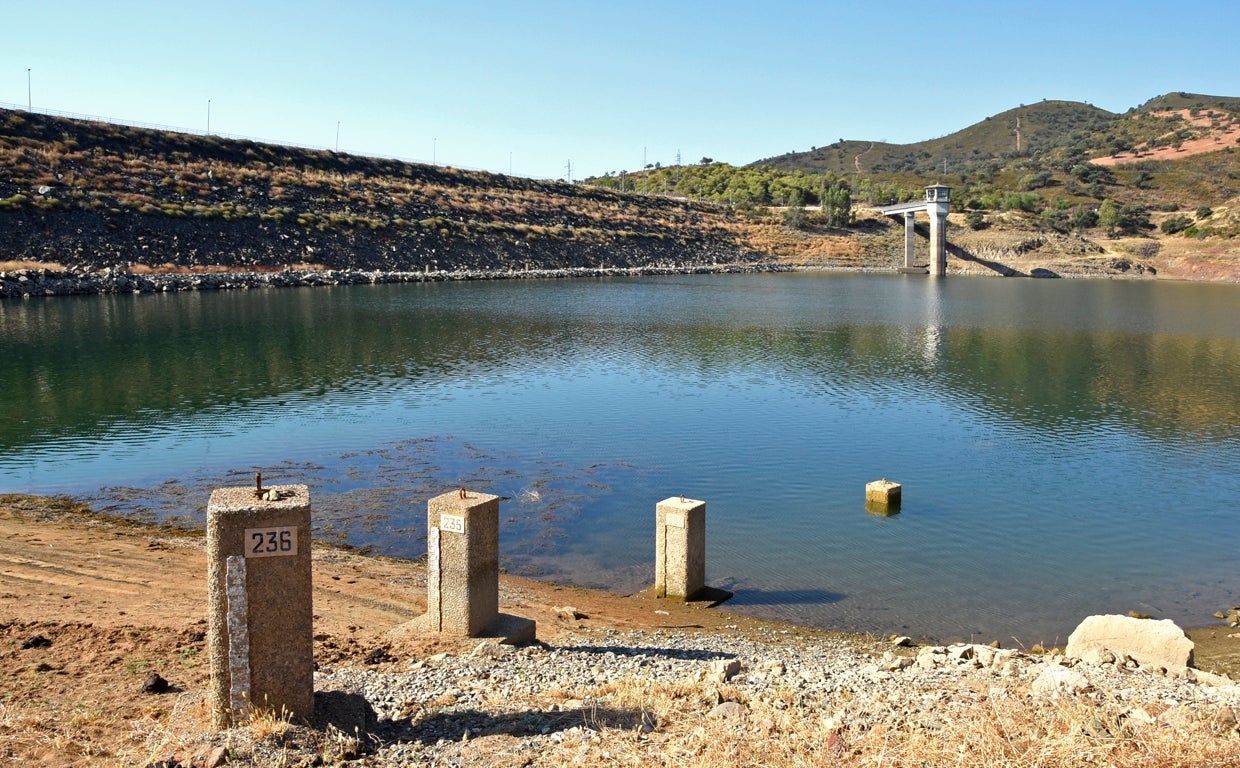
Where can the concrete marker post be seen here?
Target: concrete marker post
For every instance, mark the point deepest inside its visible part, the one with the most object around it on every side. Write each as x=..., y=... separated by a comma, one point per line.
x=260, y=612
x=680, y=548
x=462, y=579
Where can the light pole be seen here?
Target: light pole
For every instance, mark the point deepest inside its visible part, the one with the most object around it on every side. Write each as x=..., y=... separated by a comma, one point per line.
x=28, y=100
x=337, y=135
x=434, y=150
x=208, y=117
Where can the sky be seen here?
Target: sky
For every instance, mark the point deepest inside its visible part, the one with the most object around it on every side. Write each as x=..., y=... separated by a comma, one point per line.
x=532, y=87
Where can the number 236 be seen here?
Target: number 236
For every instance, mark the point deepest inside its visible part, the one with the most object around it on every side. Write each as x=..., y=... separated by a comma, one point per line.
x=266, y=542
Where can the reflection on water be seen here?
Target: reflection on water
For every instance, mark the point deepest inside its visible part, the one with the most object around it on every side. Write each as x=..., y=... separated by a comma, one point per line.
x=1065, y=447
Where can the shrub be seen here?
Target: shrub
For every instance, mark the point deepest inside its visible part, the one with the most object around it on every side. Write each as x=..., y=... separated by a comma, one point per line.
x=976, y=220
x=13, y=203
x=794, y=217
x=1204, y=211
x=1175, y=224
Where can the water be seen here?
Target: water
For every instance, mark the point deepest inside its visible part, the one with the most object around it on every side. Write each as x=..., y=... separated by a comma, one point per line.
x=1066, y=447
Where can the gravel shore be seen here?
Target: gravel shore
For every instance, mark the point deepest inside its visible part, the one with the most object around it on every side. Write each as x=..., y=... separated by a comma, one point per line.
x=562, y=699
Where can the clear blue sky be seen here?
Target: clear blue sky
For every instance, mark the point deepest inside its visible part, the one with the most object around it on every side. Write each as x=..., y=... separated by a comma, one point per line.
x=603, y=84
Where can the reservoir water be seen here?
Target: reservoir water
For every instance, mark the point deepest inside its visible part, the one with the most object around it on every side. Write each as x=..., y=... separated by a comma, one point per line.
x=1066, y=447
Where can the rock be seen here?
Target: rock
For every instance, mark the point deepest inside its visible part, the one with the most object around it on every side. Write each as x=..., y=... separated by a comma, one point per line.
x=901, y=641
x=1135, y=615
x=723, y=670
x=728, y=710
x=493, y=649
x=960, y=652
x=155, y=684
x=215, y=758
x=568, y=613
x=1151, y=643
x=1054, y=680
x=649, y=723
x=38, y=641
x=897, y=663
x=1208, y=678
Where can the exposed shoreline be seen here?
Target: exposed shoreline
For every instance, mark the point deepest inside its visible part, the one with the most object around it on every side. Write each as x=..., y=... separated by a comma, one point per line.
x=94, y=604
x=38, y=283
x=35, y=283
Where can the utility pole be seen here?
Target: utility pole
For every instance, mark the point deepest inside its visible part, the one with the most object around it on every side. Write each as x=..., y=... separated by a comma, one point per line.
x=337, y=135
x=29, y=102
x=435, y=151
x=208, y=117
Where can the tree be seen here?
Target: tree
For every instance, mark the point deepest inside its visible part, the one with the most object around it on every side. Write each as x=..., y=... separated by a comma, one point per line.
x=1108, y=216
x=706, y=161
x=837, y=205
x=1084, y=218
x=1133, y=219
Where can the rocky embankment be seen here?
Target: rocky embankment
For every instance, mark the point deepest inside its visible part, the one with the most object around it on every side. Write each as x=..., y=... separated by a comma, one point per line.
x=42, y=282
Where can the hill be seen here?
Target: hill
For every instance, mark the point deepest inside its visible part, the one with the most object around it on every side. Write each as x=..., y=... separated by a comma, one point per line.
x=94, y=207
x=1026, y=129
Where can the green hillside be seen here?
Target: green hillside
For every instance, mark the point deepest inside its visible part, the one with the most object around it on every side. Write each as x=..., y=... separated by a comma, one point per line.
x=1182, y=100
x=1024, y=130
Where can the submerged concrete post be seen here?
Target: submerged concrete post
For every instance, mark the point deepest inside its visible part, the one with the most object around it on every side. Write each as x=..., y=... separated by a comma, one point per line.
x=680, y=548
x=462, y=585
x=260, y=614
x=882, y=497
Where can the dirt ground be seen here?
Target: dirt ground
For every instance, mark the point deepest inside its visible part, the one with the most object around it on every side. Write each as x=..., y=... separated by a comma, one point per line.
x=92, y=606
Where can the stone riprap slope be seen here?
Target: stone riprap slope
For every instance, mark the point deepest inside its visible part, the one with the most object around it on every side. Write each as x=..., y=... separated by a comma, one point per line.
x=88, y=195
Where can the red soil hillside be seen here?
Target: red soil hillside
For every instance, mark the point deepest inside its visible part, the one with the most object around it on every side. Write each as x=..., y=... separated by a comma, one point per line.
x=1211, y=131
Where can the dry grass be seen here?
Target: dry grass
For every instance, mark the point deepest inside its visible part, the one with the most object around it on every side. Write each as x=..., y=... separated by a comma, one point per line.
x=15, y=266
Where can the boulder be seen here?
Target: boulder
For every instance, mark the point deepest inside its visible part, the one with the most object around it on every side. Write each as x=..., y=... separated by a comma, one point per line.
x=1151, y=643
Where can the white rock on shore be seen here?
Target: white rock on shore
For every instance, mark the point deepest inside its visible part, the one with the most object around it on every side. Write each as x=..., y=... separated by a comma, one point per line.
x=1149, y=642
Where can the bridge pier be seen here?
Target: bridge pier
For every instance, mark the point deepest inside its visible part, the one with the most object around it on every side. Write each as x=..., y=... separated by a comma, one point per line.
x=909, y=218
